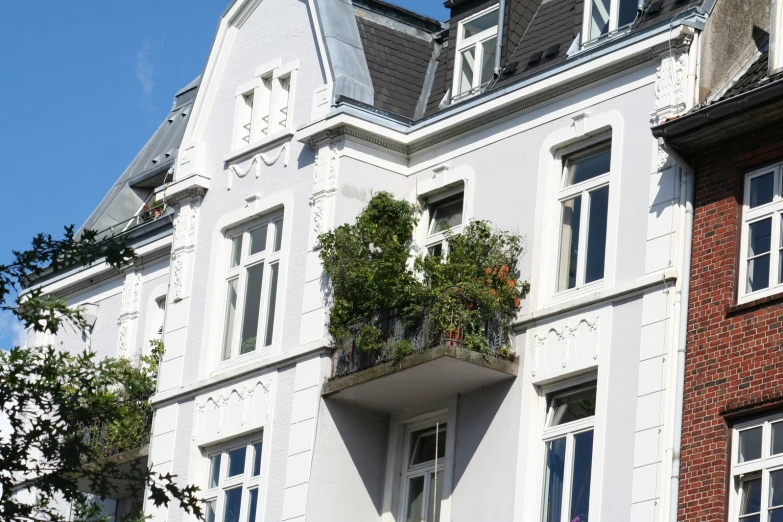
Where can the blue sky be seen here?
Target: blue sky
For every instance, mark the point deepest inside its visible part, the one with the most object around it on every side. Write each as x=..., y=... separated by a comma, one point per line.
x=85, y=84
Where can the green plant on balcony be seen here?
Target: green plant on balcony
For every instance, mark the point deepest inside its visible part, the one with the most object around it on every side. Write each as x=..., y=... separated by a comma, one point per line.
x=370, y=269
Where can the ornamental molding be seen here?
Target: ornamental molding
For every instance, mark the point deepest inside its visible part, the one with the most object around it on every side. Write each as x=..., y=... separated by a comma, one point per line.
x=178, y=276
x=257, y=160
x=129, y=314
x=221, y=399
x=191, y=193
x=567, y=335
x=324, y=188
x=676, y=44
x=670, y=83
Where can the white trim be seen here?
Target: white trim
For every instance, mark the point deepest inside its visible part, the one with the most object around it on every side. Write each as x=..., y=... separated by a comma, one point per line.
x=773, y=211
x=268, y=68
x=547, y=223
x=255, y=207
x=775, y=38
x=476, y=42
x=393, y=490
x=613, y=29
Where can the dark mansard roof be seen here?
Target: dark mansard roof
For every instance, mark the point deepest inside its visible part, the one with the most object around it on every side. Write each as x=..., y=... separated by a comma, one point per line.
x=411, y=57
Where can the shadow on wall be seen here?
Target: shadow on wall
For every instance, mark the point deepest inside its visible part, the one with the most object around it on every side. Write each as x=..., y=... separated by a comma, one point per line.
x=365, y=435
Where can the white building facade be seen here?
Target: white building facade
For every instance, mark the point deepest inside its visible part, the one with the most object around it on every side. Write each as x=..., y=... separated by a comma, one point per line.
x=534, y=115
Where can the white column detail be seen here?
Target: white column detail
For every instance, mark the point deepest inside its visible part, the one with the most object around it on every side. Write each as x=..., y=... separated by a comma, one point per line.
x=129, y=316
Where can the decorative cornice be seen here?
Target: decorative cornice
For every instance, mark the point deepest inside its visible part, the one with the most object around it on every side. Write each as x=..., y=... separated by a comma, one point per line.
x=395, y=146
x=111, y=273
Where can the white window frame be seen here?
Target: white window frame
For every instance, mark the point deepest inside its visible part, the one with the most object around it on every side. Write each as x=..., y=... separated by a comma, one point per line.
x=773, y=210
x=761, y=467
x=569, y=431
x=776, y=38
x=253, y=128
x=465, y=43
x=439, y=238
x=565, y=193
x=246, y=480
x=409, y=472
x=276, y=223
x=614, y=15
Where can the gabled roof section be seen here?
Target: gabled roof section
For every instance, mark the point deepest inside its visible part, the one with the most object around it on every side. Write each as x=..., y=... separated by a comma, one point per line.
x=148, y=169
x=401, y=49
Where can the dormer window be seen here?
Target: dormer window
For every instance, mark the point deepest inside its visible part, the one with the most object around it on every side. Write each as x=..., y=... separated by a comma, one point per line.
x=476, y=51
x=606, y=16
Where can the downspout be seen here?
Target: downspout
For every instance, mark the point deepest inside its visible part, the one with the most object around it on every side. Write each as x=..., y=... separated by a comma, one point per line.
x=499, y=44
x=681, y=311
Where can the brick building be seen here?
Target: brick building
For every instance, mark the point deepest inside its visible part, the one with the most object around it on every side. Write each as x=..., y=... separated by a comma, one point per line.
x=732, y=440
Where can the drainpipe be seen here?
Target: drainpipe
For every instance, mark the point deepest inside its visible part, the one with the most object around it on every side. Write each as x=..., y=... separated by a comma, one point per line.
x=681, y=311
x=499, y=44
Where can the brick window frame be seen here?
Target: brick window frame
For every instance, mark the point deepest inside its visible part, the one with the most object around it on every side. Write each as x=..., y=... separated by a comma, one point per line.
x=752, y=474
x=753, y=216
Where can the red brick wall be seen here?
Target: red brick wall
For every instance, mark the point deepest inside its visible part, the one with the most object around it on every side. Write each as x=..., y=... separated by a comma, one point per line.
x=734, y=364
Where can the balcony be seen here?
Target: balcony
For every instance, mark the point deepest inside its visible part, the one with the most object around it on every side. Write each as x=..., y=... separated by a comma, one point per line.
x=416, y=364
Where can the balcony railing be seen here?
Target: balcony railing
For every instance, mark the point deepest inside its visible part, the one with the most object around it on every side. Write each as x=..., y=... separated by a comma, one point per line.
x=416, y=335
x=108, y=441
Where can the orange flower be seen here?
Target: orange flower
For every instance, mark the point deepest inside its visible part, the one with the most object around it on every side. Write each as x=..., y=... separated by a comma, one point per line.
x=511, y=283
x=516, y=302
x=488, y=271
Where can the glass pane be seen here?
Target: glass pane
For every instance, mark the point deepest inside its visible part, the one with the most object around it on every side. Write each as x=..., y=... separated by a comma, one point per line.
x=214, y=471
x=775, y=515
x=580, y=485
x=434, y=498
x=209, y=510
x=270, y=310
x=236, y=250
x=569, y=243
x=415, y=499
x=599, y=18
x=236, y=462
x=278, y=235
x=231, y=310
x=759, y=241
x=255, y=275
x=435, y=250
x=751, y=497
x=750, y=444
x=596, y=234
x=258, y=240
x=445, y=215
x=570, y=407
x=776, y=488
x=466, y=73
x=777, y=438
x=251, y=514
x=423, y=445
x=762, y=189
x=282, y=102
x=553, y=479
x=627, y=13
x=233, y=505
x=480, y=24
x=588, y=167
x=489, y=49
x=759, y=237
x=257, y=459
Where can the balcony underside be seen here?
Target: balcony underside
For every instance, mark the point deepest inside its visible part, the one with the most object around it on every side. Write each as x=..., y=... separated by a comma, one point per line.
x=420, y=378
x=125, y=462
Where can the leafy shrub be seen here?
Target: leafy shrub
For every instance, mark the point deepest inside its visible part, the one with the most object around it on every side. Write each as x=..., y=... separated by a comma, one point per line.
x=369, y=338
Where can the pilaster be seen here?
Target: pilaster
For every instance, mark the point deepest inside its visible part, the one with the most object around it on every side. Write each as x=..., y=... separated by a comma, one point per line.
x=129, y=317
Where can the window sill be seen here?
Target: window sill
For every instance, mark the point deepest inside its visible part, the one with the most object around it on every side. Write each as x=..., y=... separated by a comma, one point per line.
x=755, y=303
x=269, y=141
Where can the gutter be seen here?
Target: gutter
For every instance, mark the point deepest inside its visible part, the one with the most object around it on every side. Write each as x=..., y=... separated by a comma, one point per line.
x=499, y=41
x=721, y=110
x=687, y=177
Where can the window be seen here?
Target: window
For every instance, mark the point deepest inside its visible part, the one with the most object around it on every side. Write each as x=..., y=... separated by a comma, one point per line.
x=568, y=441
x=263, y=108
x=605, y=16
x=251, y=287
x=423, y=472
x=233, y=481
x=476, y=50
x=584, y=205
x=761, y=247
x=757, y=470
x=445, y=217
x=158, y=319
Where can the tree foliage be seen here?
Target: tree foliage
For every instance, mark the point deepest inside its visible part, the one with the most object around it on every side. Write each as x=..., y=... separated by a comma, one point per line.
x=53, y=400
x=370, y=269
